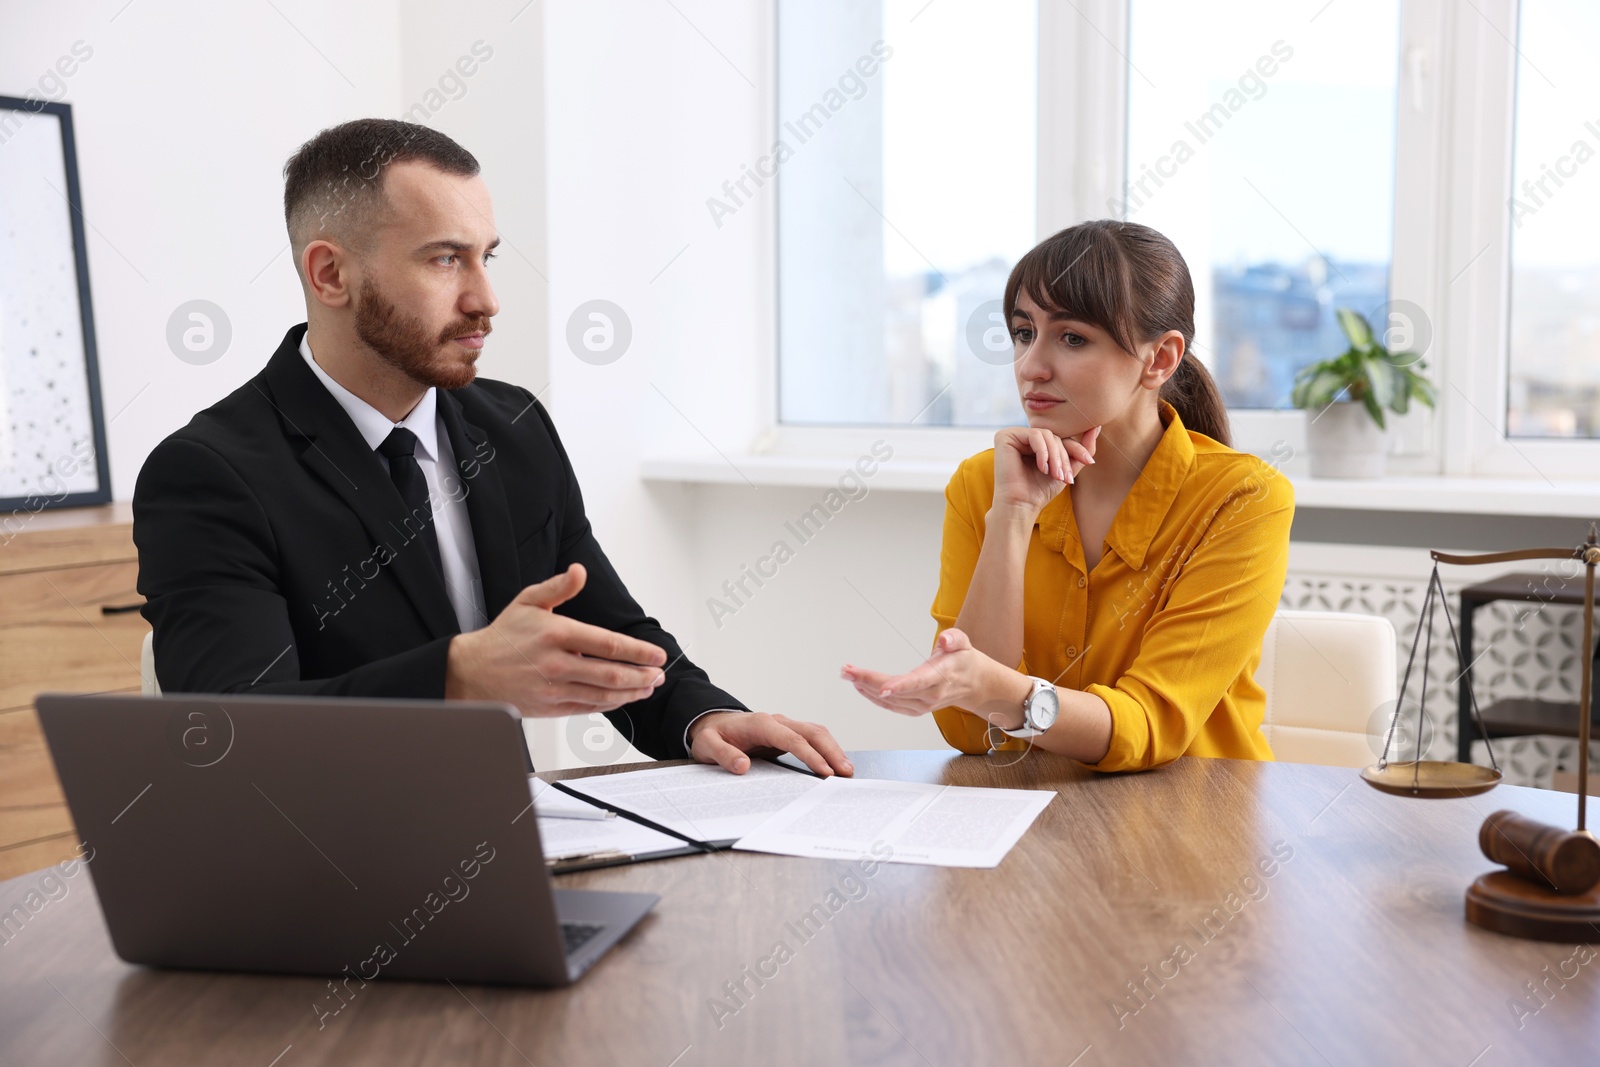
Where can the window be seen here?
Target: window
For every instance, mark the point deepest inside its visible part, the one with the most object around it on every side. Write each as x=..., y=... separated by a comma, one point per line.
x=905, y=193
x=1433, y=165
x=1263, y=146
x=1554, y=364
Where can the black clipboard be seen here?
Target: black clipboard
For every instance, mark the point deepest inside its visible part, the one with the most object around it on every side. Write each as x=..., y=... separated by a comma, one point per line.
x=592, y=861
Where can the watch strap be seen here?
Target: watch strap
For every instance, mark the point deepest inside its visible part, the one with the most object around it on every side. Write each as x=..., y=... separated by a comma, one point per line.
x=1028, y=728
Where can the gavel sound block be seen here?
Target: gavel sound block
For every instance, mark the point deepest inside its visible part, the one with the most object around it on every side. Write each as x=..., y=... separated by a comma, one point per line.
x=1550, y=890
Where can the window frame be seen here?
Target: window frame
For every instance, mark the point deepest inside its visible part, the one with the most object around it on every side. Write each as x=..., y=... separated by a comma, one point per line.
x=1475, y=441
x=1456, y=103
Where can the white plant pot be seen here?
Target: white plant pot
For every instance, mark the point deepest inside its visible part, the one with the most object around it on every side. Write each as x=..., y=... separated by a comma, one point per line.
x=1344, y=442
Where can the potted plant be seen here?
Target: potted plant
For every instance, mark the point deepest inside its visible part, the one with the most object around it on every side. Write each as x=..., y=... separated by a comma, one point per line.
x=1345, y=399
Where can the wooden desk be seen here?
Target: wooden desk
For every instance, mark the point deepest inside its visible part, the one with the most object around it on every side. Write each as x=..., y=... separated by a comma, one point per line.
x=1356, y=951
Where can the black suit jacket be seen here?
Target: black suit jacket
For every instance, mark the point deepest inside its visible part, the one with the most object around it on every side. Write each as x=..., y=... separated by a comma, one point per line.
x=275, y=554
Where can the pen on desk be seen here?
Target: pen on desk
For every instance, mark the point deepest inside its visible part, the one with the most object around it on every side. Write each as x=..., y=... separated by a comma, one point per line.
x=605, y=856
x=576, y=813
x=579, y=809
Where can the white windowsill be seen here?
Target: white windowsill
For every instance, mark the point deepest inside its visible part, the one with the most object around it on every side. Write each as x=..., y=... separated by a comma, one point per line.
x=1414, y=493
x=805, y=472
x=1459, y=495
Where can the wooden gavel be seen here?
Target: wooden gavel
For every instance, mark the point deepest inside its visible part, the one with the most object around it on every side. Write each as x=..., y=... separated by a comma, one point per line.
x=1566, y=860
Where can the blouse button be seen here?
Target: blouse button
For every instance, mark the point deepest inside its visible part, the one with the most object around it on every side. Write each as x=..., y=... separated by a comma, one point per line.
x=1082, y=581
x=1072, y=650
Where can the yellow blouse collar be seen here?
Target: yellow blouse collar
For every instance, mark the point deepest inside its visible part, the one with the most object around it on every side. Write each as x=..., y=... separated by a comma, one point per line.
x=1146, y=504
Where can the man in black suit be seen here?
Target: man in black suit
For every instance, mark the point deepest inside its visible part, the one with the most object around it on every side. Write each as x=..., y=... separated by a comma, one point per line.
x=367, y=518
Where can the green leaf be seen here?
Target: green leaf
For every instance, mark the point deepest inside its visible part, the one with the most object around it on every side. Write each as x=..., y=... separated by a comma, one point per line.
x=1422, y=388
x=1319, y=388
x=1407, y=365
x=1400, y=403
x=1411, y=382
x=1382, y=375
x=1355, y=327
x=1374, y=410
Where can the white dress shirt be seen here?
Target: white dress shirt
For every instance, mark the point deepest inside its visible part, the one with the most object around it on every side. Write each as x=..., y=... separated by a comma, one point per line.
x=446, y=492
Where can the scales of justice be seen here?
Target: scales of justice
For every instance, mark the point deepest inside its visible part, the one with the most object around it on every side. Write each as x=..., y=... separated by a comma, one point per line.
x=1550, y=887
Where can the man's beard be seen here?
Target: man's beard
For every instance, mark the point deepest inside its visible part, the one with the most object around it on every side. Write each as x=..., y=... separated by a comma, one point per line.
x=405, y=343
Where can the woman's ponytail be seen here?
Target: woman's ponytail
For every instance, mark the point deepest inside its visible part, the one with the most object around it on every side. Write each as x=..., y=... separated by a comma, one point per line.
x=1193, y=393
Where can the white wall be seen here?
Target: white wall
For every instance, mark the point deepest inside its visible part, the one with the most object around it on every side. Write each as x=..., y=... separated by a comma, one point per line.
x=497, y=113
x=640, y=133
x=185, y=113
x=858, y=591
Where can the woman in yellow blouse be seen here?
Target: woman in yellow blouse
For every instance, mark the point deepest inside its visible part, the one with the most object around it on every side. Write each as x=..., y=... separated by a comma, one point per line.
x=1118, y=622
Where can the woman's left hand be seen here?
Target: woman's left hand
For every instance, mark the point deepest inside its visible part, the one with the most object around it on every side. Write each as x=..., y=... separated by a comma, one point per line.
x=956, y=675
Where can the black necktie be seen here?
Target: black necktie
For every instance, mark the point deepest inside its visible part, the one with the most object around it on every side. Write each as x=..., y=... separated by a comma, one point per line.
x=399, y=449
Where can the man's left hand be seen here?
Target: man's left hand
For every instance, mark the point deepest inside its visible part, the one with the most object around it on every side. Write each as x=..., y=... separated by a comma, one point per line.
x=724, y=738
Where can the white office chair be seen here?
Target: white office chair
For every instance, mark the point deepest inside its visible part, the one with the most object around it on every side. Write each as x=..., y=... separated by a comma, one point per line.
x=1326, y=675
x=148, y=685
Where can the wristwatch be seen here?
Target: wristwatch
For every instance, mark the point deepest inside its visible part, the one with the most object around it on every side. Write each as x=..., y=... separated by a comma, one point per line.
x=1039, y=711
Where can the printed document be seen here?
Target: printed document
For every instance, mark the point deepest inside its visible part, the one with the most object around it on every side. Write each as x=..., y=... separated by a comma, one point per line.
x=700, y=801
x=563, y=838
x=939, y=825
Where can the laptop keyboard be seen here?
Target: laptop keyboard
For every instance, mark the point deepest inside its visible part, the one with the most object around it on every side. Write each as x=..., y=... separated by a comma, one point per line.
x=576, y=935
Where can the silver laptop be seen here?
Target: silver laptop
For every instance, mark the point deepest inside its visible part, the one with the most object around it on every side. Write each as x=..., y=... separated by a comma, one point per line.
x=351, y=838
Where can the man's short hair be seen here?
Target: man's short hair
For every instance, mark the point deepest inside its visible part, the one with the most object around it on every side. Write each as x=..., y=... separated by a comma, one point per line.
x=333, y=184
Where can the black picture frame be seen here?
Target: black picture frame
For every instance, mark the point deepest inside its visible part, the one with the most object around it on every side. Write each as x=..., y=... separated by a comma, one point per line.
x=101, y=494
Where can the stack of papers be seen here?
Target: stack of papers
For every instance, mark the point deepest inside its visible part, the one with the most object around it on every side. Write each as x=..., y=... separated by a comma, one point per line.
x=566, y=839
x=567, y=831
x=770, y=808
x=701, y=802
x=939, y=825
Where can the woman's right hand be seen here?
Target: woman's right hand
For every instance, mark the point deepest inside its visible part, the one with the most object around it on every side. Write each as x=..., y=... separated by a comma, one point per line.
x=1032, y=465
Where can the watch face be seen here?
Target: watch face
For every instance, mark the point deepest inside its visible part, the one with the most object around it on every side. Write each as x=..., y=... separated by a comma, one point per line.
x=1044, y=708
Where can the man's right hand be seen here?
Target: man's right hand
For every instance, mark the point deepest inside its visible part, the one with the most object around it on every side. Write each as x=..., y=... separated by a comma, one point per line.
x=547, y=664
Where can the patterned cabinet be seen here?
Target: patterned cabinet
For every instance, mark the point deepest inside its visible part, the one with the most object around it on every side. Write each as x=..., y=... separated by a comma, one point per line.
x=59, y=572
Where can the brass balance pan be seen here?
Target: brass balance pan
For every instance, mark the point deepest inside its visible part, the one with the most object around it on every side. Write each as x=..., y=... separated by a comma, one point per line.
x=1431, y=779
